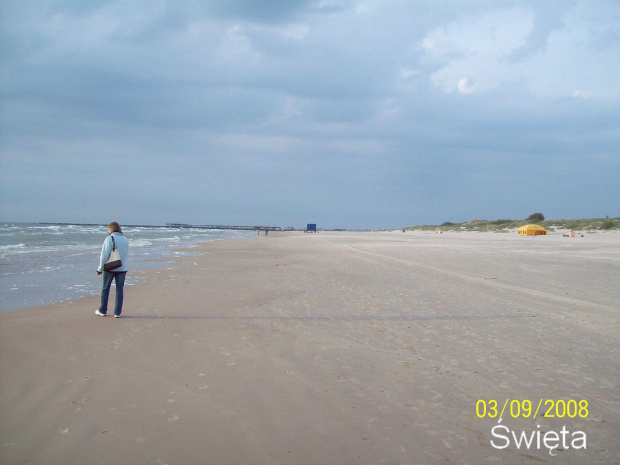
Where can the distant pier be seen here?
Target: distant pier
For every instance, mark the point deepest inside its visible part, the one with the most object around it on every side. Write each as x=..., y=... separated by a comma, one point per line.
x=214, y=226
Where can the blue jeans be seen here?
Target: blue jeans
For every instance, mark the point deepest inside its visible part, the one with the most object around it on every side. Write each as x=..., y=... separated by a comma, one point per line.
x=119, y=279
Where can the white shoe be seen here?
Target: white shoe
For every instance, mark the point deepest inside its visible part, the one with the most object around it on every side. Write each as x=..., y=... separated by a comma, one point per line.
x=98, y=313
x=117, y=316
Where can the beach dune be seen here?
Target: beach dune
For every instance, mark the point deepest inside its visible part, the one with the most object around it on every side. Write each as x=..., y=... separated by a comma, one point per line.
x=334, y=348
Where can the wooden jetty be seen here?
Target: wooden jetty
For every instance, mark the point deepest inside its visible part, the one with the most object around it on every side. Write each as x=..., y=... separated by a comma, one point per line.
x=213, y=226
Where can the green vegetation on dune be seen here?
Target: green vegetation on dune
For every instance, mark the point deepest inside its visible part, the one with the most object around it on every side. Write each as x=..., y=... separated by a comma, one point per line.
x=504, y=225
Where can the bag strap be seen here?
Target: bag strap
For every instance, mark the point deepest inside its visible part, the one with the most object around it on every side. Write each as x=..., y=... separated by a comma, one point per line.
x=113, y=243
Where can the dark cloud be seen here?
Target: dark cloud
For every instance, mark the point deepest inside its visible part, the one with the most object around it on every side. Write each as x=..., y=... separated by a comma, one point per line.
x=547, y=18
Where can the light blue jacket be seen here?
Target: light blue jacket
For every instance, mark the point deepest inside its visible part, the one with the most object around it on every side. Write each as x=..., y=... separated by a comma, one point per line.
x=122, y=245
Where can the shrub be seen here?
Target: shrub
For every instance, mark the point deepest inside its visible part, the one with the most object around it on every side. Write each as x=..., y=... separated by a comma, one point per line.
x=607, y=224
x=536, y=217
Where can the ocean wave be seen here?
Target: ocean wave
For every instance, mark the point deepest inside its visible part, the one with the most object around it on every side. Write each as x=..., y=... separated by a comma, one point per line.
x=12, y=247
x=140, y=243
x=52, y=227
x=169, y=239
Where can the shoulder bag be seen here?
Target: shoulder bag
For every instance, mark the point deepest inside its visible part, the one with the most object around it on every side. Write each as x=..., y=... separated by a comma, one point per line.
x=114, y=261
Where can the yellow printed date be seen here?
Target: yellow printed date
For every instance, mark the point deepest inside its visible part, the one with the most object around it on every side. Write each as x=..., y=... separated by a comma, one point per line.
x=525, y=408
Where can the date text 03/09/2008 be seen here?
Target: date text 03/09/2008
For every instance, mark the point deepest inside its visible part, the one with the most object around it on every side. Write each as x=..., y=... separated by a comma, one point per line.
x=524, y=408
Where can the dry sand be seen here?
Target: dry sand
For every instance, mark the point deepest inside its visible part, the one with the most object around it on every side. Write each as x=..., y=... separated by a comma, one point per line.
x=333, y=348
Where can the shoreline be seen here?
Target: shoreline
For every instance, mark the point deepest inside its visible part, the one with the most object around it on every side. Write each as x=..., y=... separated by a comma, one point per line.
x=330, y=348
x=37, y=272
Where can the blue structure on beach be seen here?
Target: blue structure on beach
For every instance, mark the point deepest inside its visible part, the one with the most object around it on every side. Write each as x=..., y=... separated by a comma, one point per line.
x=311, y=227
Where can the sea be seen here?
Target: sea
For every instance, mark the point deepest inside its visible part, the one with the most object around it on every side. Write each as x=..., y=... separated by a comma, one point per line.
x=42, y=264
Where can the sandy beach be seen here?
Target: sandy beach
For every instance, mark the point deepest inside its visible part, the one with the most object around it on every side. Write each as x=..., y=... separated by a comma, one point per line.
x=330, y=348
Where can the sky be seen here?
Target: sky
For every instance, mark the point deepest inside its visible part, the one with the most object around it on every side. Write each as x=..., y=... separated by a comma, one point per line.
x=349, y=114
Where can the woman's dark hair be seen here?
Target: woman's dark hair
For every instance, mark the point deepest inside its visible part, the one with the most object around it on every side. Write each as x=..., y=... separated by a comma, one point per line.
x=114, y=227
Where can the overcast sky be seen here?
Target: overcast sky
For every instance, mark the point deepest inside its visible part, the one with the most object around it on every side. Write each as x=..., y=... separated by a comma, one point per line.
x=348, y=114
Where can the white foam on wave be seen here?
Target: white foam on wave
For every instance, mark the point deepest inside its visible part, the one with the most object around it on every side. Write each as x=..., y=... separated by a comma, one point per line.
x=169, y=239
x=140, y=243
x=54, y=228
x=12, y=247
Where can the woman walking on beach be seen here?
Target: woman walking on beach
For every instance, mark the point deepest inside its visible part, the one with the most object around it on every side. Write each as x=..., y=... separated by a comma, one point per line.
x=114, y=240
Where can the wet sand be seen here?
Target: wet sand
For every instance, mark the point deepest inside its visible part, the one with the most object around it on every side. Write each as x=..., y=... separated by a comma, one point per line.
x=330, y=348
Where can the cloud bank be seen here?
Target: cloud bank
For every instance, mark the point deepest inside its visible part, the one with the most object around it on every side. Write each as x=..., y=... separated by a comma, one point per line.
x=357, y=114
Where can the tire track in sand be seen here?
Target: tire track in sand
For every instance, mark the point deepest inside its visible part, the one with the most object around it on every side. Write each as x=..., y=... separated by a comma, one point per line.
x=478, y=280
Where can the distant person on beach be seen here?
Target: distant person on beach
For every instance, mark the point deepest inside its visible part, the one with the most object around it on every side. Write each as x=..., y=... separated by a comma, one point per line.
x=117, y=239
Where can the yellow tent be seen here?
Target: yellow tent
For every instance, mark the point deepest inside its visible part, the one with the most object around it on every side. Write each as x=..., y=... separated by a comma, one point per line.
x=531, y=230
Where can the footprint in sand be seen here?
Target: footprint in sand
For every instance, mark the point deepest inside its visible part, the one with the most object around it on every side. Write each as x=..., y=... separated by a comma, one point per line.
x=225, y=353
